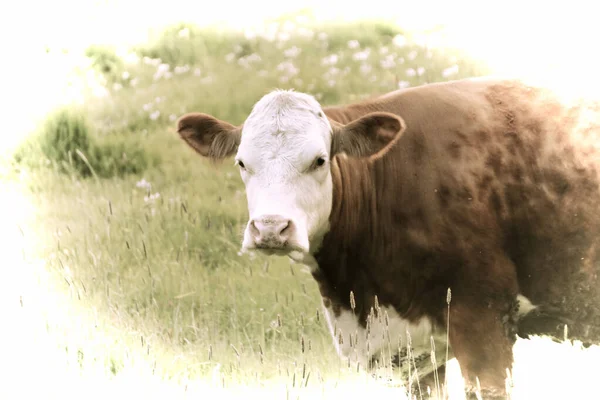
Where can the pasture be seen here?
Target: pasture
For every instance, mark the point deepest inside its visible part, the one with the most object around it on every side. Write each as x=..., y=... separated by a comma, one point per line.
x=124, y=244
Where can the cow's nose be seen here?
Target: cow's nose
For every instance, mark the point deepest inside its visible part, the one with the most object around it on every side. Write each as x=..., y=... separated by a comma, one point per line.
x=271, y=231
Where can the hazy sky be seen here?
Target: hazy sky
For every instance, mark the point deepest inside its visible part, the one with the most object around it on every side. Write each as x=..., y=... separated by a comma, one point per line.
x=552, y=41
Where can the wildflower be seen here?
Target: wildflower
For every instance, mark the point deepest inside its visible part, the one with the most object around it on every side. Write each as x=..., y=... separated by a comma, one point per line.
x=197, y=72
x=117, y=86
x=292, y=52
x=184, y=33
x=133, y=82
x=384, y=50
x=154, y=115
x=447, y=72
x=420, y=71
x=283, y=36
x=411, y=72
x=172, y=117
x=403, y=84
x=229, y=57
x=162, y=71
x=412, y=55
x=399, y=41
x=361, y=55
x=330, y=60
x=125, y=75
x=151, y=198
x=181, y=69
x=388, y=62
x=131, y=58
x=322, y=36
x=365, y=69
x=353, y=44
x=332, y=71
x=147, y=107
x=288, y=68
x=305, y=32
x=143, y=184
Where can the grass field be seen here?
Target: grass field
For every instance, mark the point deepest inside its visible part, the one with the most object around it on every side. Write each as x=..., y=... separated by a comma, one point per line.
x=127, y=276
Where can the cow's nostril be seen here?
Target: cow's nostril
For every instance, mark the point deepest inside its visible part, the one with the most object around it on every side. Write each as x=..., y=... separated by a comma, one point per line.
x=285, y=228
x=253, y=229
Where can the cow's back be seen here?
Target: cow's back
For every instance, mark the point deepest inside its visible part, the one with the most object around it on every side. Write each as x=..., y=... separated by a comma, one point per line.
x=509, y=163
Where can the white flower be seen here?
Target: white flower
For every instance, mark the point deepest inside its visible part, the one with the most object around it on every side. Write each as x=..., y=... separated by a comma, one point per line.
x=411, y=72
x=388, y=62
x=330, y=60
x=197, y=72
x=412, y=55
x=125, y=75
x=403, y=84
x=229, y=57
x=365, y=69
x=292, y=52
x=143, y=184
x=151, y=198
x=162, y=71
x=181, y=69
x=322, y=36
x=399, y=41
x=353, y=44
x=154, y=115
x=283, y=36
x=305, y=32
x=361, y=55
x=447, y=72
x=420, y=71
x=172, y=117
x=184, y=33
x=288, y=68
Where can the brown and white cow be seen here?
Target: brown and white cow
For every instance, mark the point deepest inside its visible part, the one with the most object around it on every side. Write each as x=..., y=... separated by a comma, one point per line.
x=487, y=187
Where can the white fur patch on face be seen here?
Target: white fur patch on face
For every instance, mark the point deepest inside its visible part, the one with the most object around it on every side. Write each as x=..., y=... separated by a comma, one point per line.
x=388, y=334
x=282, y=138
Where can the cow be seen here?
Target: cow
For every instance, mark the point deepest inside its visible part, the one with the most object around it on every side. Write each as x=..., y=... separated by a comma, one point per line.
x=465, y=212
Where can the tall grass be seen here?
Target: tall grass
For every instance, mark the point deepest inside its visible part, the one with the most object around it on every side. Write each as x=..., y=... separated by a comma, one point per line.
x=147, y=254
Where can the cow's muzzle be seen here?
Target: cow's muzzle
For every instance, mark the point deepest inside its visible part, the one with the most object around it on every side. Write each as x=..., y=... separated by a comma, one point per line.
x=272, y=232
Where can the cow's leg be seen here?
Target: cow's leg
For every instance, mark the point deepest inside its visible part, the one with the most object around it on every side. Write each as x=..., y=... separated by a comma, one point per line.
x=483, y=324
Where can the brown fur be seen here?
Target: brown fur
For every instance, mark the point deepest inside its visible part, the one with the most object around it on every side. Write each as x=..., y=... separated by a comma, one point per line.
x=491, y=190
x=488, y=192
x=209, y=136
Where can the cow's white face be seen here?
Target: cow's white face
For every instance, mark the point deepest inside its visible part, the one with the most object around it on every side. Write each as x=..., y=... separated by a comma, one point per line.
x=284, y=157
x=284, y=150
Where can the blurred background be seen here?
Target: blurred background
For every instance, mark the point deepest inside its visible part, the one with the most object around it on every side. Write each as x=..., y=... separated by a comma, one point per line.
x=121, y=246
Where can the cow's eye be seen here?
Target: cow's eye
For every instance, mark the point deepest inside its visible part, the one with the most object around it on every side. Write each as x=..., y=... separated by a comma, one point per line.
x=319, y=162
x=240, y=164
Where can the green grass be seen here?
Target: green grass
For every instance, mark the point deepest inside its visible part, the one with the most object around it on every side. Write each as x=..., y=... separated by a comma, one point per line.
x=150, y=277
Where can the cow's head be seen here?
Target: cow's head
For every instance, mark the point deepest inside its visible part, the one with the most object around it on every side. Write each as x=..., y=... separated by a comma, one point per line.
x=284, y=150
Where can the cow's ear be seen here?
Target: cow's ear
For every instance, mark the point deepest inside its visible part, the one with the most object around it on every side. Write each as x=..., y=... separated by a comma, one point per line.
x=368, y=135
x=209, y=136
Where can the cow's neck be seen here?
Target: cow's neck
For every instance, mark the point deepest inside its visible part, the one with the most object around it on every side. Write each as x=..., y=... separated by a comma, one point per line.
x=354, y=218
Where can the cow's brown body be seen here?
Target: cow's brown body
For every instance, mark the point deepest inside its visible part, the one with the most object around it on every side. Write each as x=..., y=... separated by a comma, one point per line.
x=492, y=191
